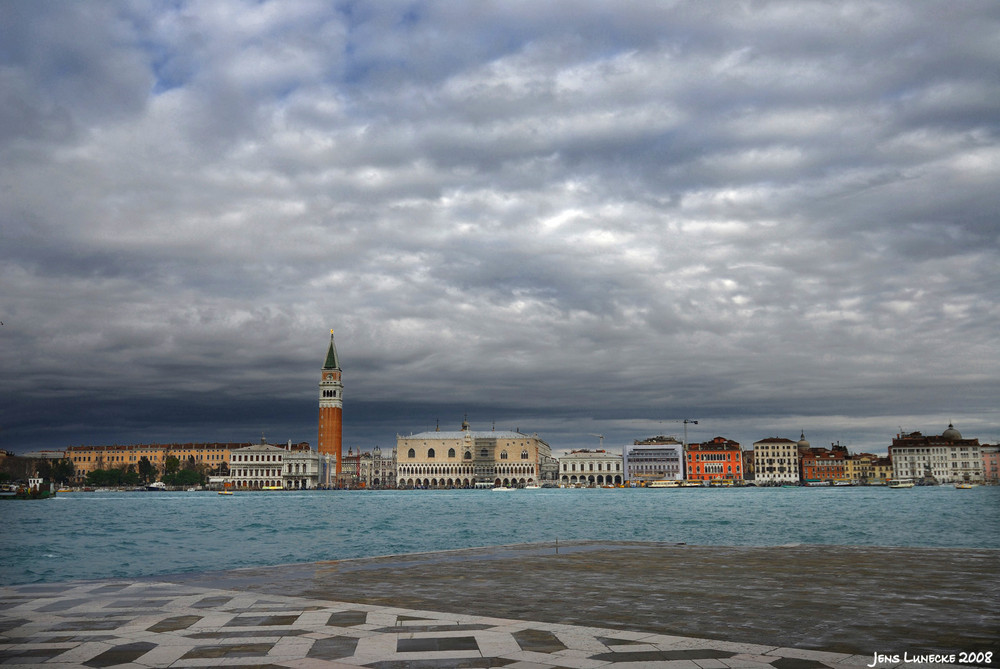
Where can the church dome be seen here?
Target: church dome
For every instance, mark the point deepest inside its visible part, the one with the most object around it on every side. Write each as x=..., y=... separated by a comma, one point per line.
x=803, y=442
x=951, y=434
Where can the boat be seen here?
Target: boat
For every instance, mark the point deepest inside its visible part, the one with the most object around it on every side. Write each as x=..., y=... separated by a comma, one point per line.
x=532, y=486
x=664, y=484
x=157, y=486
x=901, y=483
x=500, y=488
x=965, y=486
x=225, y=492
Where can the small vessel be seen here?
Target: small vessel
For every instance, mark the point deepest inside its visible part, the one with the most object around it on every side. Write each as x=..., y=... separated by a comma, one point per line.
x=532, y=486
x=901, y=483
x=500, y=488
x=965, y=486
x=157, y=486
x=664, y=484
x=225, y=492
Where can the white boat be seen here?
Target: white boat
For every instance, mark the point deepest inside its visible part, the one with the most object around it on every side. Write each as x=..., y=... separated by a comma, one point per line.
x=965, y=486
x=901, y=483
x=664, y=484
x=532, y=486
x=500, y=488
x=159, y=485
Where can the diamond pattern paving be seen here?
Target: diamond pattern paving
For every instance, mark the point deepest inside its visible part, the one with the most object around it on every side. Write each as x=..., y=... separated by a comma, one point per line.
x=163, y=625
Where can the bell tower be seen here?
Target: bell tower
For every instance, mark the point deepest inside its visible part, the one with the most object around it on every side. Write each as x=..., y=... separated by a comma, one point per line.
x=331, y=405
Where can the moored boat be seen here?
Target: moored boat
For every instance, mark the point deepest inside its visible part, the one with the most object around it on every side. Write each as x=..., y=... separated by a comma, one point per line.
x=965, y=486
x=664, y=484
x=901, y=483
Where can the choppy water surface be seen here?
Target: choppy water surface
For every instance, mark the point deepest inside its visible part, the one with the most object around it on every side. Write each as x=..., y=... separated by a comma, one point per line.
x=102, y=535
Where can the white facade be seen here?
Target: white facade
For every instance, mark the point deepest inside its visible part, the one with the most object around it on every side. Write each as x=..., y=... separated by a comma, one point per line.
x=776, y=461
x=657, y=459
x=468, y=458
x=306, y=470
x=948, y=458
x=257, y=466
x=591, y=468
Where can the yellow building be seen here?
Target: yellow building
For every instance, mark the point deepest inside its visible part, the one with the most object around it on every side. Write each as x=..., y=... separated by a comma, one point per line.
x=466, y=458
x=88, y=458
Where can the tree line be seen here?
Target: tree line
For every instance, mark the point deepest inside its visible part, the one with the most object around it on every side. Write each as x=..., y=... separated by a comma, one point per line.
x=61, y=472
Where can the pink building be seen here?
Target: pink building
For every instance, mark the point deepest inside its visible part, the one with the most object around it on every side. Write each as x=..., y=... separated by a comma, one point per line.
x=991, y=463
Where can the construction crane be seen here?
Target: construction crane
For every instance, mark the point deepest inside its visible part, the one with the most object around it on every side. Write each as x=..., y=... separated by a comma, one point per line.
x=599, y=436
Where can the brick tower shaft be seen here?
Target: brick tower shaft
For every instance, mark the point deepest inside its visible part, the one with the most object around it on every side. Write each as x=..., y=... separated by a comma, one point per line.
x=331, y=406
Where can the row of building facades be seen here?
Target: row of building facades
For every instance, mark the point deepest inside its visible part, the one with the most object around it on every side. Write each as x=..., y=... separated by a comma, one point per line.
x=467, y=458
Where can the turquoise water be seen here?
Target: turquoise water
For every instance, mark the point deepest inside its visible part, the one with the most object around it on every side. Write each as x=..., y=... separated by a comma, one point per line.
x=105, y=535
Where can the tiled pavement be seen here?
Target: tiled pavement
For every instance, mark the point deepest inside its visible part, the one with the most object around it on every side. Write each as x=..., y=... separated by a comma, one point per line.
x=156, y=624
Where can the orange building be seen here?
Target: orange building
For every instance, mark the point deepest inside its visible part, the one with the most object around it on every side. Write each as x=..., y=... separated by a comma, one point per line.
x=331, y=404
x=714, y=460
x=208, y=457
x=822, y=465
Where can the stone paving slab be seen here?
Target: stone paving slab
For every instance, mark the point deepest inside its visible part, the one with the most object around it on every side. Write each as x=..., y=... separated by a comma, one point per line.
x=853, y=600
x=173, y=627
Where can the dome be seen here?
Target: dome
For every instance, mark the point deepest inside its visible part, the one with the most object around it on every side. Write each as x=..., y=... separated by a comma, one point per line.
x=951, y=434
x=803, y=442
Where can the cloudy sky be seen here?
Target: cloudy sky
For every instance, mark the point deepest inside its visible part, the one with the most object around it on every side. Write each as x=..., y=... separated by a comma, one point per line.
x=570, y=218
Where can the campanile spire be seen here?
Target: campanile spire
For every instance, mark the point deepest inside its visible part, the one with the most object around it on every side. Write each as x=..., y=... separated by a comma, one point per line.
x=331, y=405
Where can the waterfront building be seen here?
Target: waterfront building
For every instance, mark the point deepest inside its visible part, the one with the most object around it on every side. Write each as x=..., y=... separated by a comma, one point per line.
x=823, y=465
x=371, y=469
x=210, y=458
x=306, y=469
x=859, y=469
x=883, y=470
x=467, y=458
x=591, y=468
x=991, y=463
x=331, y=406
x=776, y=461
x=748, y=465
x=657, y=458
x=715, y=460
x=944, y=458
x=262, y=465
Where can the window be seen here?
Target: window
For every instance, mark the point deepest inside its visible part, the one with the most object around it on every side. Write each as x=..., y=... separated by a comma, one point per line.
x=524, y=454
x=451, y=452
x=430, y=452
x=411, y=453
x=468, y=455
x=503, y=455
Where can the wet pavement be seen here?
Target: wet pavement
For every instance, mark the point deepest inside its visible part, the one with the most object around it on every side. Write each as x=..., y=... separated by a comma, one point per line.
x=584, y=604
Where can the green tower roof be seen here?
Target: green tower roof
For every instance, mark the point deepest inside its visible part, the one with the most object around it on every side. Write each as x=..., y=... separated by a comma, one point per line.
x=331, y=355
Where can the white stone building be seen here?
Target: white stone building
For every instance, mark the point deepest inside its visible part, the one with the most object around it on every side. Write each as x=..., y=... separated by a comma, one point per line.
x=468, y=458
x=591, y=468
x=654, y=459
x=306, y=470
x=947, y=458
x=776, y=461
x=257, y=466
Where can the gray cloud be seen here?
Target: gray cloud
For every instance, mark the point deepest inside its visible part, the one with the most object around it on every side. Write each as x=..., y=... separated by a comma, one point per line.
x=565, y=217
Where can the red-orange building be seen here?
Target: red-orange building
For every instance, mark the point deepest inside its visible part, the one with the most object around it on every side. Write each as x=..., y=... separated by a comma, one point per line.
x=823, y=465
x=714, y=460
x=331, y=405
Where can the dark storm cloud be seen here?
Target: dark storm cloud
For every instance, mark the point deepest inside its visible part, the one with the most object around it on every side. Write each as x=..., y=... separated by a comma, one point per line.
x=571, y=218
